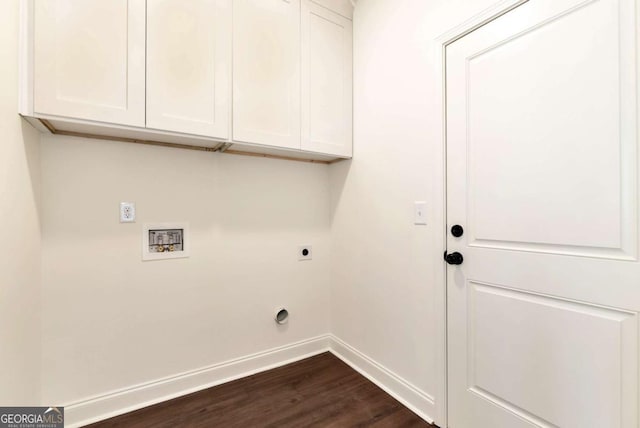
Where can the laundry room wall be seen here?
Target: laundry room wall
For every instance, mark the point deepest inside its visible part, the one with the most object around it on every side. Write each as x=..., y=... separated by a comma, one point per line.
x=385, y=270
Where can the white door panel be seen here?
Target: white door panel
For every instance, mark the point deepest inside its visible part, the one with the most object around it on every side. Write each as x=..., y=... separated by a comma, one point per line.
x=89, y=60
x=542, y=173
x=554, y=339
x=189, y=66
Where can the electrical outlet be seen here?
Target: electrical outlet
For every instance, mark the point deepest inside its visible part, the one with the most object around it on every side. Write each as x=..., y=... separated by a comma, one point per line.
x=127, y=212
x=304, y=252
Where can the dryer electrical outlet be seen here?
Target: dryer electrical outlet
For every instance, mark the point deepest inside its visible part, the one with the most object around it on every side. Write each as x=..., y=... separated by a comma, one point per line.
x=305, y=252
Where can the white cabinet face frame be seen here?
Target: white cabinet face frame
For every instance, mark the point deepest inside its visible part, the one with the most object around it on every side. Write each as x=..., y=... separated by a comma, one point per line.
x=89, y=60
x=327, y=69
x=189, y=66
x=266, y=72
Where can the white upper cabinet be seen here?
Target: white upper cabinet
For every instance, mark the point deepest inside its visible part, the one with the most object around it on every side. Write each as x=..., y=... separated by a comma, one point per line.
x=326, y=80
x=89, y=60
x=266, y=76
x=266, y=72
x=189, y=66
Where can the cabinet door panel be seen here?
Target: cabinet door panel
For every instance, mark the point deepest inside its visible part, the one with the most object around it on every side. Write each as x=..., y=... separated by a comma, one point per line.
x=189, y=66
x=266, y=67
x=89, y=60
x=326, y=81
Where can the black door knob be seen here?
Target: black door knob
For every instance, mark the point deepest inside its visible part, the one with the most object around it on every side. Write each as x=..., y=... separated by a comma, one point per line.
x=454, y=258
x=457, y=230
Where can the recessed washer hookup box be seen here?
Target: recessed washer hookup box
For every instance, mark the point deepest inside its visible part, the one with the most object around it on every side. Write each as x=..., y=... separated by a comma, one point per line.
x=165, y=241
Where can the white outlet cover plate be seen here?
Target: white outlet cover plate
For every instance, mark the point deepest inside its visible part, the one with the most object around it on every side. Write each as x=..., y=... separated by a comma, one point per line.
x=302, y=257
x=127, y=212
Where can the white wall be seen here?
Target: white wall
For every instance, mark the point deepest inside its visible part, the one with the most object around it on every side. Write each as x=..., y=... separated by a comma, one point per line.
x=385, y=270
x=20, y=250
x=112, y=321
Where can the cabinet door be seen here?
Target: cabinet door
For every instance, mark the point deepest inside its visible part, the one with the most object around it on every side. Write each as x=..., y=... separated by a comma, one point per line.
x=189, y=66
x=89, y=60
x=326, y=81
x=266, y=72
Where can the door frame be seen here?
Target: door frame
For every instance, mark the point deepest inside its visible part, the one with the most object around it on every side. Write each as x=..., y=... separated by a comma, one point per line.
x=441, y=42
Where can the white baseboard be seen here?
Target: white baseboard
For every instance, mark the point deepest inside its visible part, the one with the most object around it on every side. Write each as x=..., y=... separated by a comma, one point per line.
x=126, y=400
x=409, y=395
x=136, y=397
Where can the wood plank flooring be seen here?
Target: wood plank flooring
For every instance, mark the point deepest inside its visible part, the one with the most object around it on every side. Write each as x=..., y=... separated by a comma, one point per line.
x=320, y=391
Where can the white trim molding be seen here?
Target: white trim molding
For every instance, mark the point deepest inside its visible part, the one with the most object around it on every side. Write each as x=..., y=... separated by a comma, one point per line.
x=416, y=400
x=114, y=403
x=132, y=398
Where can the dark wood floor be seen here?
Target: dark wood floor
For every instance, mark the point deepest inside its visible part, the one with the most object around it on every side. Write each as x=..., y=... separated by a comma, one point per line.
x=320, y=391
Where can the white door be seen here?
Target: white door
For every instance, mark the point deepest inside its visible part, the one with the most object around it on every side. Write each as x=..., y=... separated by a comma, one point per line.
x=189, y=66
x=326, y=80
x=89, y=60
x=266, y=72
x=542, y=175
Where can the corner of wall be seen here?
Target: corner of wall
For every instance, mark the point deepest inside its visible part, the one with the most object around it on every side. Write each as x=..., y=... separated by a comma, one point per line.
x=20, y=285
x=418, y=401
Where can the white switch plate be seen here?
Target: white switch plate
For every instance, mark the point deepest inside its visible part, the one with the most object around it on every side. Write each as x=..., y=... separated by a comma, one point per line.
x=420, y=212
x=127, y=212
x=302, y=255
